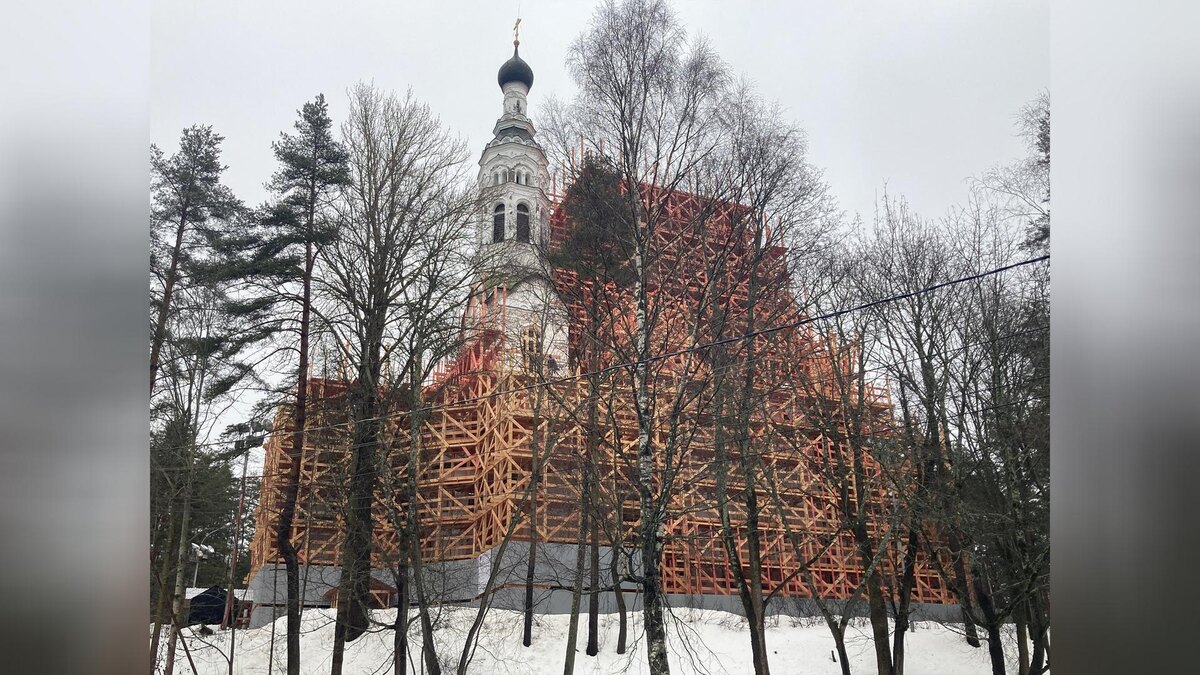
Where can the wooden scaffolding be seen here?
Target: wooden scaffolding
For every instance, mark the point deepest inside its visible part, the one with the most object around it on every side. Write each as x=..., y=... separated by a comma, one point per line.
x=479, y=442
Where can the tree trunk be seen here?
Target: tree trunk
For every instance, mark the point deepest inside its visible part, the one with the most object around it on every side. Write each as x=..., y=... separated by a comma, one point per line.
x=292, y=489
x=879, y=623
x=1037, y=664
x=355, y=583
x=992, y=625
x=577, y=587
x=160, y=604
x=1022, y=647
x=359, y=524
x=652, y=607
x=752, y=586
x=164, y=307
x=650, y=545
x=415, y=561
x=653, y=618
x=839, y=641
x=590, y=473
x=758, y=622
x=339, y=630
x=177, y=617
x=618, y=581
x=1037, y=625
x=964, y=592
x=969, y=628
x=400, y=639
x=593, y=641
x=428, y=647
x=758, y=645
x=877, y=608
x=617, y=554
x=907, y=581
x=651, y=519
x=721, y=469
x=995, y=648
x=531, y=563
x=534, y=484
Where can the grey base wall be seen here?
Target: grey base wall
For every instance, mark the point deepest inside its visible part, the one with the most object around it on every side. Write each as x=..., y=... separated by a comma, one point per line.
x=462, y=581
x=558, y=601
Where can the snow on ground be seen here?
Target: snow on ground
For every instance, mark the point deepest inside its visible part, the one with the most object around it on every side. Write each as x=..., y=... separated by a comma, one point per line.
x=706, y=642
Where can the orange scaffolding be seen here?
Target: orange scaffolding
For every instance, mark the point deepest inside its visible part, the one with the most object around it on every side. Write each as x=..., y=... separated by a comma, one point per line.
x=478, y=450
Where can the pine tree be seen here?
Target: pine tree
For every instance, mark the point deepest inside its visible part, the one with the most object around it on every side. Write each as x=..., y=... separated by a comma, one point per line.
x=188, y=201
x=279, y=251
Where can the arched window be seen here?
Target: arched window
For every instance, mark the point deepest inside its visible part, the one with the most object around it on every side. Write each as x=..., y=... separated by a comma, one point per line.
x=531, y=349
x=498, y=224
x=522, y=223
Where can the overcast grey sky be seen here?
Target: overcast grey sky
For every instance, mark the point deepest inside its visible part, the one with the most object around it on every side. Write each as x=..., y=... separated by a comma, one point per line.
x=918, y=94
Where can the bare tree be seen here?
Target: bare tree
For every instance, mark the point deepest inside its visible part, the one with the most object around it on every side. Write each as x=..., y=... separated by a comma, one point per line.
x=1010, y=319
x=843, y=405
x=407, y=177
x=1024, y=186
x=999, y=434
x=201, y=371
x=777, y=199
x=528, y=375
x=905, y=255
x=429, y=331
x=649, y=93
x=592, y=264
x=956, y=422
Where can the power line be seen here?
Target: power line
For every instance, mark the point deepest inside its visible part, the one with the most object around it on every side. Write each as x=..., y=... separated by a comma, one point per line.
x=676, y=353
x=743, y=363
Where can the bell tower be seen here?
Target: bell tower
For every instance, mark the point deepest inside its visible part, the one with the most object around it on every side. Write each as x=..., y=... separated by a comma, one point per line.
x=515, y=226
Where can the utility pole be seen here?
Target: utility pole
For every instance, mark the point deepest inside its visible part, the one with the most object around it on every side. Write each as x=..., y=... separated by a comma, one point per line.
x=177, y=618
x=200, y=551
x=230, y=618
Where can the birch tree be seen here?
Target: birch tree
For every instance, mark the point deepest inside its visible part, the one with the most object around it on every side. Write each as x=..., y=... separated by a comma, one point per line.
x=648, y=92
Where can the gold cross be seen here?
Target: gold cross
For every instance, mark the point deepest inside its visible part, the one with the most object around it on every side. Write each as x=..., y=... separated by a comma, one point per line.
x=516, y=32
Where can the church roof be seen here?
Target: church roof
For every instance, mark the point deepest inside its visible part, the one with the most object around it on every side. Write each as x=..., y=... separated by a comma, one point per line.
x=515, y=70
x=514, y=130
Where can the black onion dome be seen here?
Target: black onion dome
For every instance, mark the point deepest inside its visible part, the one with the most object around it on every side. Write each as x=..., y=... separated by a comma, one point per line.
x=515, y=70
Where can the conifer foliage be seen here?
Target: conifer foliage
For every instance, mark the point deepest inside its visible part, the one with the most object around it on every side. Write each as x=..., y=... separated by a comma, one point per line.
x=189, y=206
x=279, y=253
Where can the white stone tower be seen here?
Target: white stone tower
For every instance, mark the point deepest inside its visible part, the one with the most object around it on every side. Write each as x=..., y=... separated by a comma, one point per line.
x=515, y=228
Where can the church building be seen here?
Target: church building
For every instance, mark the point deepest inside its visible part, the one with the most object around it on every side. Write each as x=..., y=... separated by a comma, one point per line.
x=501, y=478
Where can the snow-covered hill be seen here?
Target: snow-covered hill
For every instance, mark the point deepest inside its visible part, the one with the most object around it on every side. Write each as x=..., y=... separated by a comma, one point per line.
x=702, y=641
